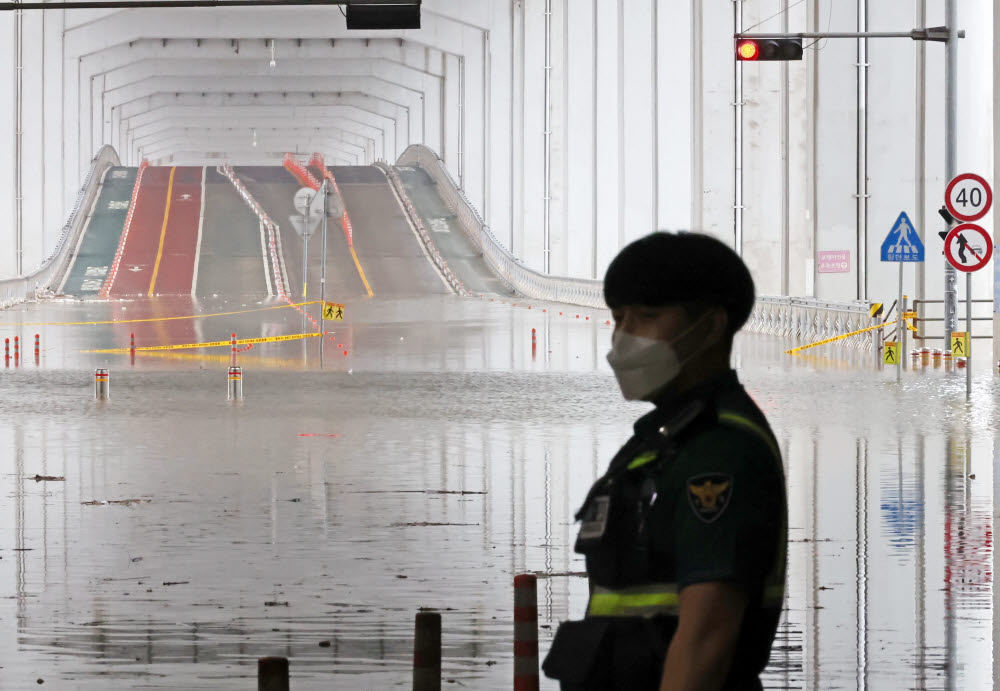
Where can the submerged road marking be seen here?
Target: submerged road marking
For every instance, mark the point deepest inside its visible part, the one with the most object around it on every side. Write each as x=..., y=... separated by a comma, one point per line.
x=210, y=344
x=163, y=230
x=162, y=319
x=201, y=224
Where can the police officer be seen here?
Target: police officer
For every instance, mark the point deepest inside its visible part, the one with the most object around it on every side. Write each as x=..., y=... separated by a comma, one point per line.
x=685, y=534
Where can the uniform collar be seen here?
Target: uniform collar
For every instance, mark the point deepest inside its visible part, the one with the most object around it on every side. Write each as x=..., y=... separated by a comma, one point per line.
x=671, y=403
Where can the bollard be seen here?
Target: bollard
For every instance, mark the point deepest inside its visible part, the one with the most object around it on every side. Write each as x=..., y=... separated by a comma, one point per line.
x=534, y=344
x=37, y=349
x=925, y=355
x=235, y=384
x=102, y=384
x=936, y=357
x=427, y=652
x=960, y=363
x=6, y=352
x=949, y=361
x=131, y=348
x=914, y=358
x=17, y=351
x=272, y=674
x=525, y=633
x=232, y=361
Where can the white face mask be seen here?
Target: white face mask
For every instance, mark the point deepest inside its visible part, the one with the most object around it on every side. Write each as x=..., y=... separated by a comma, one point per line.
x=643, y=365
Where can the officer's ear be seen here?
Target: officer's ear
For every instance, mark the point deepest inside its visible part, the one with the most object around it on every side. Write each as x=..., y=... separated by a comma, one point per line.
x=718, y=333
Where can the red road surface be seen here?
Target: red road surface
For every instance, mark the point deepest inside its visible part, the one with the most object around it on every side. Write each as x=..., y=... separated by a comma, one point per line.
x=162, y=243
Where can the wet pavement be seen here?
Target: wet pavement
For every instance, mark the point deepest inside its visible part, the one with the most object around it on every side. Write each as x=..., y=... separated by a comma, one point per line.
x=437, y=459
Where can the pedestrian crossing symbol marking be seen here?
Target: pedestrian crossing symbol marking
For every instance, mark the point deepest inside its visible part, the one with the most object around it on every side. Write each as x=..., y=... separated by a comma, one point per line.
x=902, y=243
x=890, y=354
x=959, y=344
x=333, y=311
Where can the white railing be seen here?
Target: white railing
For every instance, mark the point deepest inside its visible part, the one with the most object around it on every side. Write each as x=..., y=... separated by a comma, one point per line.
x=50, y=271
x=808, y=320
x=514, y=273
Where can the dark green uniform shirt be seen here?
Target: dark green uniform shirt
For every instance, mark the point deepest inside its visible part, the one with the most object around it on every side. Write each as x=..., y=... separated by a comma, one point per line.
x=699, y=496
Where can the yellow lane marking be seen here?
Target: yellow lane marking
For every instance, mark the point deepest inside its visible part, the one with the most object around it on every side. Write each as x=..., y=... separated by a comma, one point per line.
x=162, y=319
x=210, y=344
x=163, y=230
x=837, y=338
x=361, y=272
x=273, y=362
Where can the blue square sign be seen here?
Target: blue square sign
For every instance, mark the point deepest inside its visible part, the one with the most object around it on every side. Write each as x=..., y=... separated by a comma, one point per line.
x=902, y=243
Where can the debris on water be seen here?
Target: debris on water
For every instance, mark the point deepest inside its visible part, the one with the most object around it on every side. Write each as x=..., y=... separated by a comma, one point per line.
x=324, y=644
x=425, y=524
x=118, y=502
x=47, y=478
x=176, y=582
x=275, y=603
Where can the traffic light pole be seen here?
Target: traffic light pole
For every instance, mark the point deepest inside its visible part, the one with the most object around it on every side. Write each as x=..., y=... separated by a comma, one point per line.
x=948, y=35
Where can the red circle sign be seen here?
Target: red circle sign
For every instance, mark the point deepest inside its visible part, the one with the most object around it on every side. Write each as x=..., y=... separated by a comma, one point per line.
x=968, y=197
x=968, y=247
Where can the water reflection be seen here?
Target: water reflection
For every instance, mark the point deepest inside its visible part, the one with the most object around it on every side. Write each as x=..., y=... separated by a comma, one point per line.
x=438, y=468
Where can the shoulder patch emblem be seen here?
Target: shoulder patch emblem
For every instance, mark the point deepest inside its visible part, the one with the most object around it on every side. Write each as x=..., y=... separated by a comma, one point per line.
x=709, y=494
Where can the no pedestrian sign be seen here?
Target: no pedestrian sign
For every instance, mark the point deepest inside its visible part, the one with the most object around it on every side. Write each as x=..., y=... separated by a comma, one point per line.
x=968, y=247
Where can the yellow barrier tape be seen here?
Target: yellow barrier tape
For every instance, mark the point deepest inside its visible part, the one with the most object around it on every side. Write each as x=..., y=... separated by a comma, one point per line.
x=210, y=344
x=837, y=338
x=163, y=319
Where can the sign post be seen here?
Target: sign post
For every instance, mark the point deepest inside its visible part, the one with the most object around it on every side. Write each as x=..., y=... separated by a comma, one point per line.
x=901, y=245
x=968, y=198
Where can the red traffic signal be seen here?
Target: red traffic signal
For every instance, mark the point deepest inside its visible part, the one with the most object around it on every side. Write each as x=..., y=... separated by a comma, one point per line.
x=782, y=49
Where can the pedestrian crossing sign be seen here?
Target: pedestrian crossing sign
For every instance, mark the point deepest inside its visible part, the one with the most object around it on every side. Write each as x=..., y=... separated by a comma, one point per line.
x=959, y=344
x=890, y=354
x=333, y=311
x=902, y=243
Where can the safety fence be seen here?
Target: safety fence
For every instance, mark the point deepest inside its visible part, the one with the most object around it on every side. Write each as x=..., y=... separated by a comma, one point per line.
x=273, y=236
x=113, y=272
x=811, y=319
x=50, y=271
x=317, y=163
x=514, y=273
x=301, y=173
x=982, y=311
x=418, y=223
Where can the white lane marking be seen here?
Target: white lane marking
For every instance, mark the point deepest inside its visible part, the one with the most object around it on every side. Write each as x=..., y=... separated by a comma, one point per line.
x=263, y=255
x=201, y=225
x=79, y=242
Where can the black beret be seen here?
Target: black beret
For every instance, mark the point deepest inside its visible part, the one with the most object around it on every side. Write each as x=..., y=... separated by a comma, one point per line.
x=664, y=268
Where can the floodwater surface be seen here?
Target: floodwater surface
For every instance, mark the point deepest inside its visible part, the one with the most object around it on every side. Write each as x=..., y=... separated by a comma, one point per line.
x=183, y=536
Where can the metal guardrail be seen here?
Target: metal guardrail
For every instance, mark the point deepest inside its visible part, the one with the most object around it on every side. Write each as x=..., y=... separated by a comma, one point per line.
x=811, y=319
x=50, y=271
x=919, y=322
x=511, y=270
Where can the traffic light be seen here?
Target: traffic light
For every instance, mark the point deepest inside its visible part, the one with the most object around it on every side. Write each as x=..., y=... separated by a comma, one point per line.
x=760, y=49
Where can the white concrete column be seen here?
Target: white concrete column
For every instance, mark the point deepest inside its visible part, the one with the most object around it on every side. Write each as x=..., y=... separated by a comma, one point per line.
x=8, y=229
x=33, y=159
x=609, y=122
x=580, y=109
x=674, y=114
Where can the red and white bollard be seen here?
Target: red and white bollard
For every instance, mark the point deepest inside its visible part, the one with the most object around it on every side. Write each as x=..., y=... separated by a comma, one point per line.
x=6, y=352
x=235, y=383
x=37, y=349
x=17, y=351
x=525, y=633
x=534, y=344
x=131, y=348
x=232, y=357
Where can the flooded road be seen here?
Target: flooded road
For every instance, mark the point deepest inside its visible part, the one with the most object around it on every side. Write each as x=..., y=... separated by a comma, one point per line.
x=437, y=459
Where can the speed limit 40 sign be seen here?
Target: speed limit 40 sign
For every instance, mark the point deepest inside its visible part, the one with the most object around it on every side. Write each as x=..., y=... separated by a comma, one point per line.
x=968, y=197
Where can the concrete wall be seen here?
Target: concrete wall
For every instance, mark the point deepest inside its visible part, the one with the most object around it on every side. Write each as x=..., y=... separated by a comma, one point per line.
x=574, y=126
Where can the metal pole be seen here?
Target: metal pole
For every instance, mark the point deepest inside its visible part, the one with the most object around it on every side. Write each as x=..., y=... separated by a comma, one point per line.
x=900, y=328
x=950, y=149
x=305, y=253
x=322, y=276
x=968, y=335
x=903, y=352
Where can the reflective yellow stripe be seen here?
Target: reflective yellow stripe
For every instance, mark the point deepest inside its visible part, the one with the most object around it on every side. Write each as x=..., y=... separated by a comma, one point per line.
x=750, y=426
x=639, y=601
x=642, y=459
